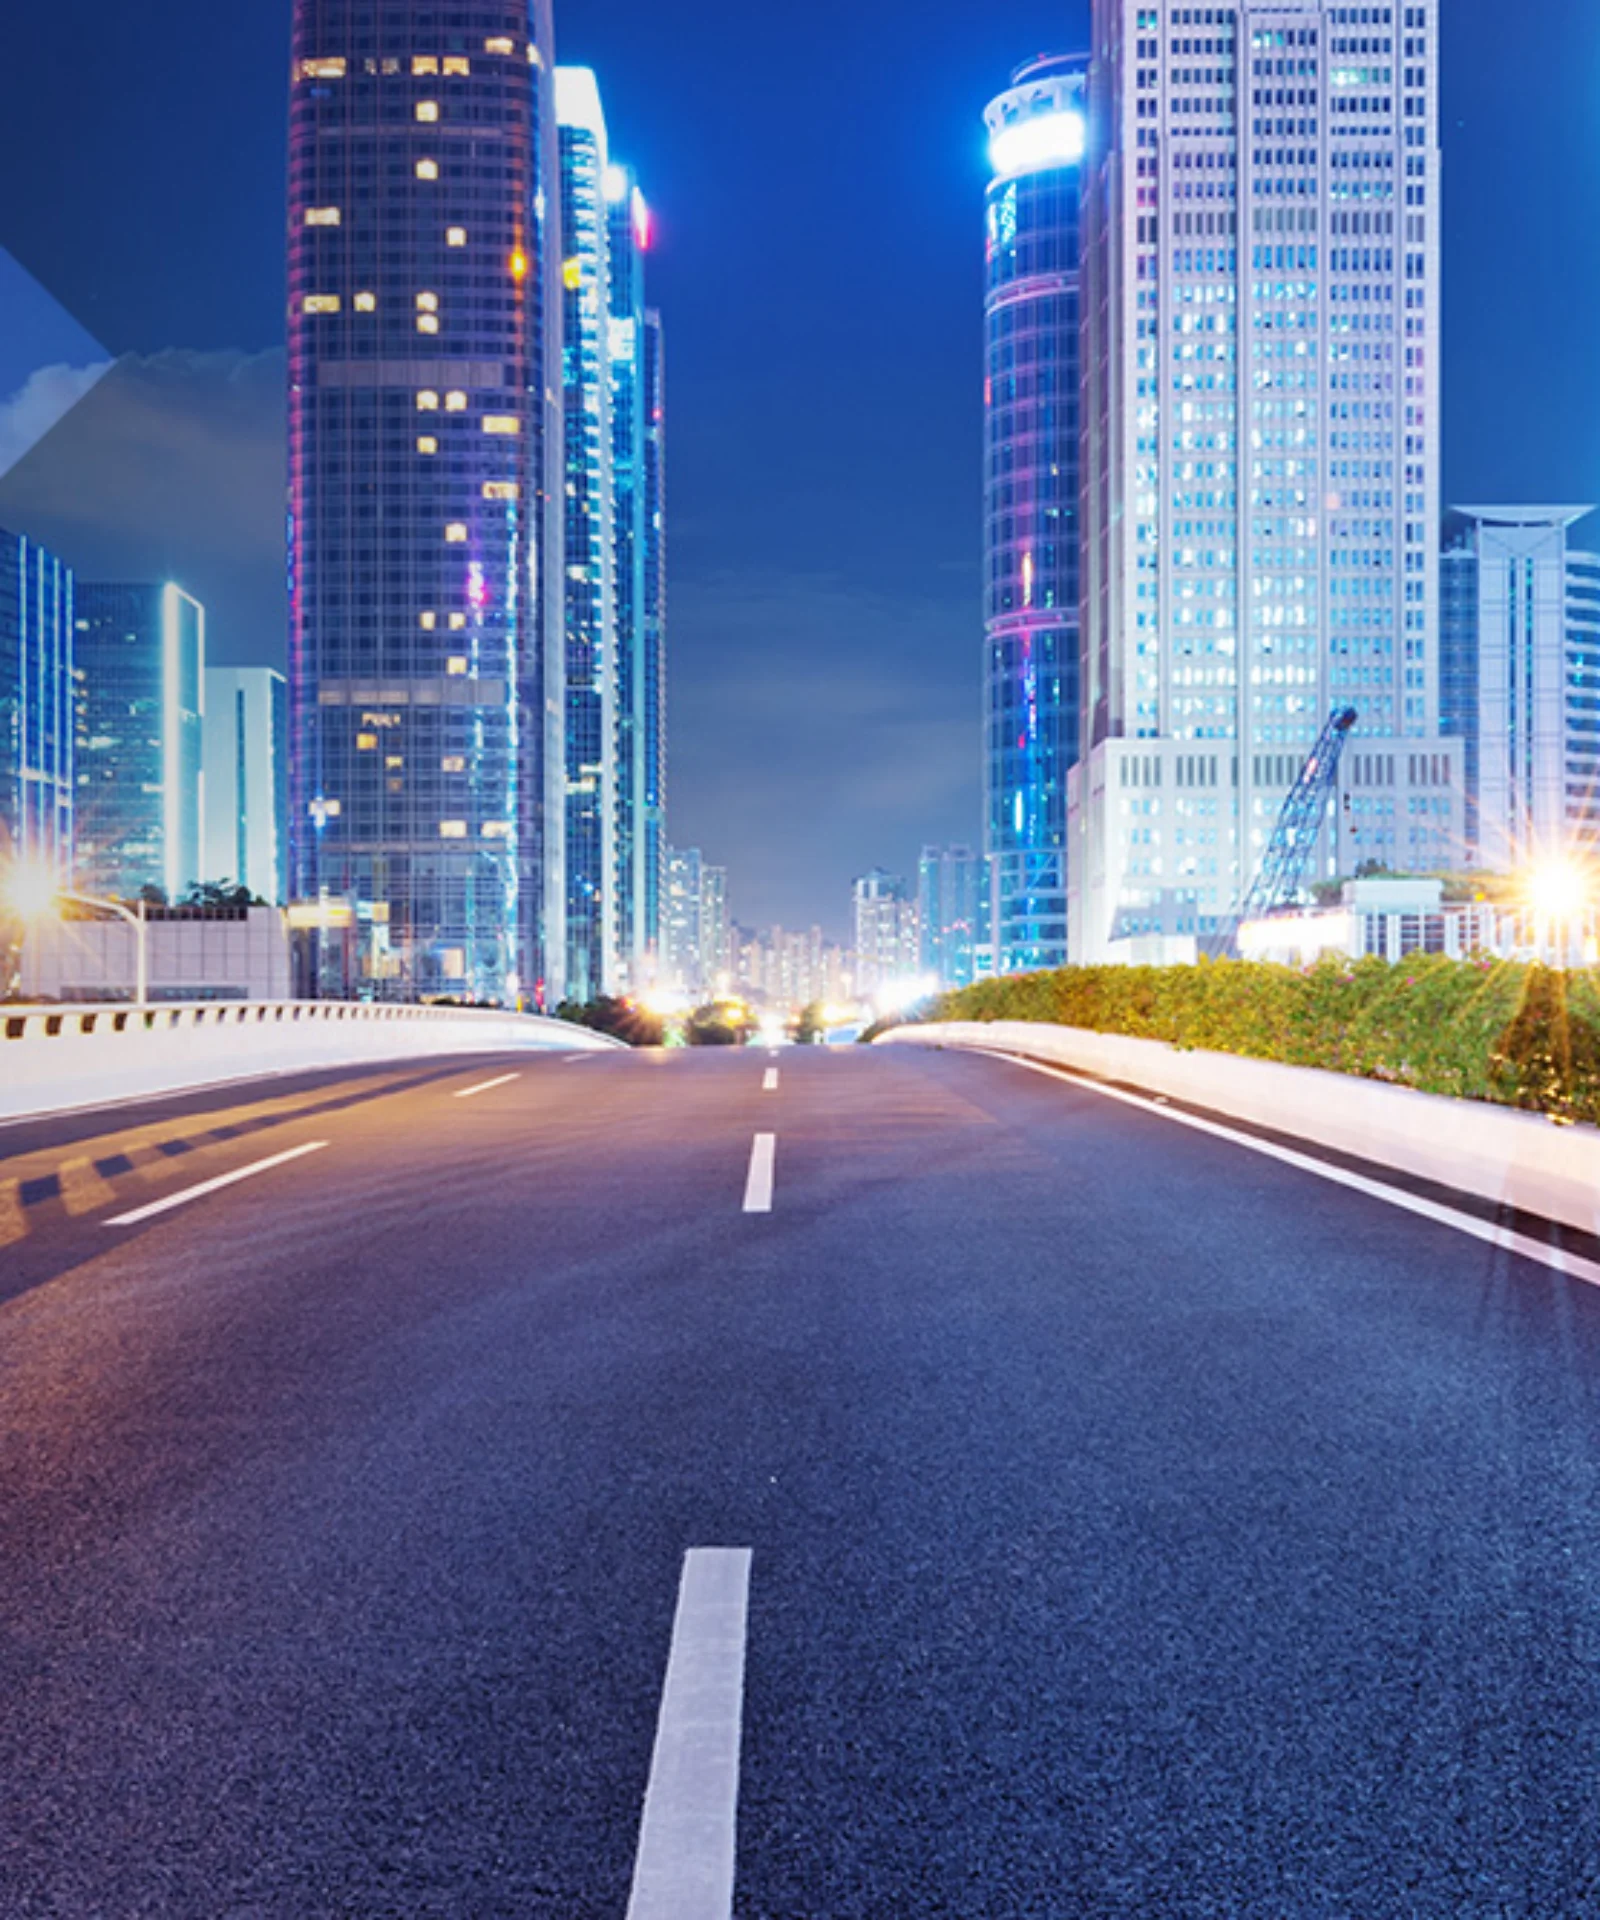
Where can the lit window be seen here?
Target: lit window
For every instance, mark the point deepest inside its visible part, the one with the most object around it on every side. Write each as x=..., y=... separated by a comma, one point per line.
x=322, y=303
x=497, y=830
x=427, y=323
x=427, y=111
x=455, y=236
x=366, y=303
x=366, y=743
x=424, y=63
x=427, y=303
x=331, y=809
x=427, y=401
x=455, y=402
x=322, y=216
x=427, y=443
x=456, y=666
x=519, y=266
x=322, y=69
x=457, y=63
x=572, y=275
x=458, y=622
x=535, y=57
x=501, y=43
x=501, y=490
x=427, y=169
x=501, y=423
x=456, y=533
x=428, y=621
x=453, y=763
x=452, y=829
x=393, y=760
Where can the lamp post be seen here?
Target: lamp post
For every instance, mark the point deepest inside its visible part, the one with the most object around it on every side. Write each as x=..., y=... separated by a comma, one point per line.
x=141, y=937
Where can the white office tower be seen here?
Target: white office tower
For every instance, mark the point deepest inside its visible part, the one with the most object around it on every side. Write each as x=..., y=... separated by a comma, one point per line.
x=1521, y=667
x=246, y=761
x=1262, y=456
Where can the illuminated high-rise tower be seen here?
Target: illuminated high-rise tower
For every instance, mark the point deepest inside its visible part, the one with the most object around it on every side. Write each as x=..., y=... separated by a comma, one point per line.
x=1261, y=451
x=594, y=931
x=36, y=707
x=426, y=676
x=1037, y=138
x=613, y=565
x=140, y=656
x=633, y=349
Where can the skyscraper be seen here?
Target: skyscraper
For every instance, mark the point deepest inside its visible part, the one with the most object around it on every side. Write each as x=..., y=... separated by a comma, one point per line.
x=628, y=349
x=886, y=932
x=653, y=830
x=140, y=656
x=426, y=680
x=1261, y=443
x=247, y=784
x=36, y=706
x=594, y=930
x=1037, y=137
x=953, y=910
x=1521, y=681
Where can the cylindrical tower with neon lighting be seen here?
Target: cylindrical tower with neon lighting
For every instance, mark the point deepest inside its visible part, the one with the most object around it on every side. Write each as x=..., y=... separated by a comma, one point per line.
x=1037, y=133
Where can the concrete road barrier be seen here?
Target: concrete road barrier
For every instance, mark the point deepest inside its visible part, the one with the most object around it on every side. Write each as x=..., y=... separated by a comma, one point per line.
x=53, y=1059
x=1519, y=1160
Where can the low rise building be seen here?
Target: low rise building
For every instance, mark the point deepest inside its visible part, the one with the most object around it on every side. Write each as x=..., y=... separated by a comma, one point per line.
x=193, y=953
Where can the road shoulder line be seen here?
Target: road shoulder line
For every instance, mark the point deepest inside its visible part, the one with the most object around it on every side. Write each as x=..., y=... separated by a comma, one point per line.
x=1562, y=1258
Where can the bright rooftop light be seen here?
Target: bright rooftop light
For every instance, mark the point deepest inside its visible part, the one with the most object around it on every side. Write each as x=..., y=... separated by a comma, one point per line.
x=1045, y=140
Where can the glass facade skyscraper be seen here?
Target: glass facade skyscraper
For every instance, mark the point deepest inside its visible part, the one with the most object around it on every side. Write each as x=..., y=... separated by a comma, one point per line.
x=615, y=592
x=594, y=931
x=426, y=681
x=1262, y=435
x=1031, y=403
x=247, y=786
x=629, y=242
x=140, y=655
x=36, y=706
x=654, y=639
x=1520, y=670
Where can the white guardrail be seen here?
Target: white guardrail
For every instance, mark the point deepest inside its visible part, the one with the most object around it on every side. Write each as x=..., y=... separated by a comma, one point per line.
x=1517, y=1160
x=53, y=1059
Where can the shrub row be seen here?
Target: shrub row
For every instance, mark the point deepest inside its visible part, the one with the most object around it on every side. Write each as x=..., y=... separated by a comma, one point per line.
x=1518, y=1035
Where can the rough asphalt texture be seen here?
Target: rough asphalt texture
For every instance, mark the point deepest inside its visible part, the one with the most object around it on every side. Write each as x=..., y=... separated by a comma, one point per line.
x=1141, y=1527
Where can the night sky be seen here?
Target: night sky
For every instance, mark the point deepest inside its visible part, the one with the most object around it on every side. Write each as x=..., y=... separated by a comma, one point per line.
x=818, y=178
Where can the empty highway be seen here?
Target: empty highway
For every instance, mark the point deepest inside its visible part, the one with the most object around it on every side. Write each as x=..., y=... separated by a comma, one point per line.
x=1045, y=1508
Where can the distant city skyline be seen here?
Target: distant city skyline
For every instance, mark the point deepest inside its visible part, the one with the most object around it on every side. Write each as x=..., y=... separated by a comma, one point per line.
x=849, y=737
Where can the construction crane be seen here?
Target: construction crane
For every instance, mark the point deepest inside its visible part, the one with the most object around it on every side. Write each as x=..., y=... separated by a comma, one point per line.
x=1294, y=838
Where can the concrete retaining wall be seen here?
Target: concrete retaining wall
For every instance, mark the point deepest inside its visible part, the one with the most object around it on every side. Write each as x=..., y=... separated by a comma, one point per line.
x=1520, y=1159
x=53, y=1059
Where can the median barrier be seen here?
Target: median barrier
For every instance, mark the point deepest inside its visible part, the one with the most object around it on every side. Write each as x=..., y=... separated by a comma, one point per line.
x=53, y=1059
x=1521, y=1161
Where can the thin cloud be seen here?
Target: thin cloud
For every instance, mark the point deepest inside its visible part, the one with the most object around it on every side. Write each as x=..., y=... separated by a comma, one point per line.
x=41, y=404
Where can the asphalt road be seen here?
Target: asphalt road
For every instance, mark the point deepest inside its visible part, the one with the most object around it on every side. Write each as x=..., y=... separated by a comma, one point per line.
x=1138, y=1526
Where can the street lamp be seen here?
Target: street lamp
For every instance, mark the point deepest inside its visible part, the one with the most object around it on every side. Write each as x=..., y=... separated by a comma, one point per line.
x=32, y=891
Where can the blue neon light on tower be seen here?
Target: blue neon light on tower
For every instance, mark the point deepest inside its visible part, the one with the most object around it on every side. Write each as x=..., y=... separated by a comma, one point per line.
x=1037, y=139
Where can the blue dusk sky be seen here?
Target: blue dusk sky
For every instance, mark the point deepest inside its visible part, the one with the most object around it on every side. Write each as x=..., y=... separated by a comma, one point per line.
x=818, y=180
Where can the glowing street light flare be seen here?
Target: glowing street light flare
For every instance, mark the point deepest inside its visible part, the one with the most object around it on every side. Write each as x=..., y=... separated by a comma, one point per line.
x=1558, y=890
x=32, y=890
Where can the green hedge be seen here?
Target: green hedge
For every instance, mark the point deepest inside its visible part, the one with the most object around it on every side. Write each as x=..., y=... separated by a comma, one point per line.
x=1518, y=1035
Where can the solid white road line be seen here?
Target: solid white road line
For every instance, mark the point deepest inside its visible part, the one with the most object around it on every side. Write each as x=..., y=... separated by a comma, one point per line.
x=684, y=1869
x=214, y=1186
x=467, y=1093
x=1573, y=1265
x=763, y=1162
x=770, y=1083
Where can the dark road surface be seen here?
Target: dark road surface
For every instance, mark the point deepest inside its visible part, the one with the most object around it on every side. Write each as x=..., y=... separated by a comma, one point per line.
x=1140, y=1527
